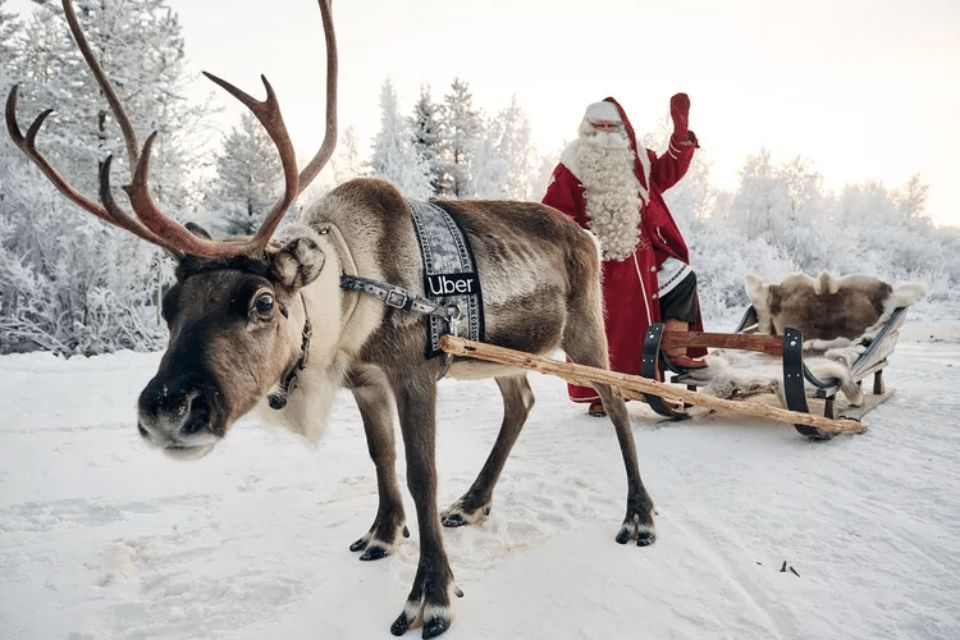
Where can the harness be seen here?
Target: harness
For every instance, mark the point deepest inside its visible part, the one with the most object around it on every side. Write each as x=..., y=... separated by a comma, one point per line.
x=449, y=273
x=399, y=298
x=444, y=315
x=454, y=303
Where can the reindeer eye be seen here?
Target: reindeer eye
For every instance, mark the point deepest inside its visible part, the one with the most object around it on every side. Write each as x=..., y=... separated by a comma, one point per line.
x=265, y=304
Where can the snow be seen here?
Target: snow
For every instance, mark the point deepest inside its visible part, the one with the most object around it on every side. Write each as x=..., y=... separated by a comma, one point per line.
x=101, y=537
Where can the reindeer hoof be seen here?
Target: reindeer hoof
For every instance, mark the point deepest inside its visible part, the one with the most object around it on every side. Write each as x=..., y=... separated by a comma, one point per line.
x=400, y=625
x=432, y=627
x=360, y=544
x=379, y=542
x=373, y=549
x=454, y=520
x=434, y=617
x=374, y=553
x=436, y=626
x=459, y=515
x=645, y=538
x=642, y=534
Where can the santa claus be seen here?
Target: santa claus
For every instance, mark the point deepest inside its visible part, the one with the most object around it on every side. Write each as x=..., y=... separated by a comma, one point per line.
x=613, y=188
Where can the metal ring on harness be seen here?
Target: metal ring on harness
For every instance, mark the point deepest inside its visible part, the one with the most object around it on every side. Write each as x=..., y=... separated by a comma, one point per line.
x=453, y=316
x=453, y=319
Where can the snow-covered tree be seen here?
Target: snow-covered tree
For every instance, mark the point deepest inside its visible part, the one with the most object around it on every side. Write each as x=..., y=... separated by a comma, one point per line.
x=8, y=30
x=249, y=179
x=394, y=156
x=762, y=197
x=346, y=160
x=893, y=233
x=69, y=282
x=546, y=165
x=461, y=126
x=488, y=169
x=425, y=124
x=8, y=63
x=912, y=199
x=506, y=162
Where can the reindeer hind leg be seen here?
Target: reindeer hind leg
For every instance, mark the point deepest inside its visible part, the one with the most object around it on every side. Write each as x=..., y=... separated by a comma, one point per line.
x=585, y=343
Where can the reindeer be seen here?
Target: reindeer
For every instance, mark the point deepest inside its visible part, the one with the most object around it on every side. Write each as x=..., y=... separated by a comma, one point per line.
x=241, y=311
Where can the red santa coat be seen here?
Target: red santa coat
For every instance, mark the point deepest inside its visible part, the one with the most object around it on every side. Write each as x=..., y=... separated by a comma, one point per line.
x=630, y=289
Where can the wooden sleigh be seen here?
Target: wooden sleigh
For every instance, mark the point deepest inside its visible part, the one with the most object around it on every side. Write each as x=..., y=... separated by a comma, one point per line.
x=673, y=400
x=797, y=381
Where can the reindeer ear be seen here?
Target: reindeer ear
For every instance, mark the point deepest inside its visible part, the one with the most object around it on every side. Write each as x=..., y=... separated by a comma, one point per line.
x=197, y=230
x=298, y=262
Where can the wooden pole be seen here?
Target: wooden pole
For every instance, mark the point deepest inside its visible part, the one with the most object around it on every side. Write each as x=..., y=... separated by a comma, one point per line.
x=632, y=387
x=771, y=345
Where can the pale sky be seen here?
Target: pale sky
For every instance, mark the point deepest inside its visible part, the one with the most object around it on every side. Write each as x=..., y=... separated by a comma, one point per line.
x=866, y=89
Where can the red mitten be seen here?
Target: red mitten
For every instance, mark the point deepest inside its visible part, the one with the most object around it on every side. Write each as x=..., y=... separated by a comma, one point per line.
x=680, y=112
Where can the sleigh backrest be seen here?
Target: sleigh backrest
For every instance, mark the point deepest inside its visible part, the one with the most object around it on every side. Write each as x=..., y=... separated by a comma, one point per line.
x=823, y=308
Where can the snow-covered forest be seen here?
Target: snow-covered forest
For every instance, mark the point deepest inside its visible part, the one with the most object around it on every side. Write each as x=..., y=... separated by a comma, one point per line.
x=72, y=284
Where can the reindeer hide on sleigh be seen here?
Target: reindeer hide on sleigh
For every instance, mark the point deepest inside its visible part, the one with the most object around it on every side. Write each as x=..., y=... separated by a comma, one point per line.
x=839, y=318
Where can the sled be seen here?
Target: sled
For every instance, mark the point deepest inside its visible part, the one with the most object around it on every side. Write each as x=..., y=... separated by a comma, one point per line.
x=797, y=379
x=633, y=387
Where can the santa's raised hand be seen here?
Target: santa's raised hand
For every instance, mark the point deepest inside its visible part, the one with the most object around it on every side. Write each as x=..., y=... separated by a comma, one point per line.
x=680, y=113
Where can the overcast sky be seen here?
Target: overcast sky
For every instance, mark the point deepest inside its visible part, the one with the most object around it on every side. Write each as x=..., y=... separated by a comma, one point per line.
x=867, y=89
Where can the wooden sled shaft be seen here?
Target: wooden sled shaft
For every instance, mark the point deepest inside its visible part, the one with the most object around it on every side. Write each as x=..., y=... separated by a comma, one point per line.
x=770, y=345
x=632, y=387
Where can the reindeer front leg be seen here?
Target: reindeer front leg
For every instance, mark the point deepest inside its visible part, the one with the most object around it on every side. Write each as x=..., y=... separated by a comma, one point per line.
x=474, y=505
x=371, y=390
x=429, y=601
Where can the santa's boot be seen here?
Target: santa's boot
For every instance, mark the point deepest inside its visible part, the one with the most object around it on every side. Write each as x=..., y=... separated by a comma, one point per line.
x=678, y=355
x=596, y=410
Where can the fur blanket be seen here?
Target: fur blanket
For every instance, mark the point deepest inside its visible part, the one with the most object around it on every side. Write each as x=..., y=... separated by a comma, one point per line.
x=839, y=318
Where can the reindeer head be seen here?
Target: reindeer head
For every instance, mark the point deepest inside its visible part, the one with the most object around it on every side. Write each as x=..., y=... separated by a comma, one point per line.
x=236, y=317
x=238, y=328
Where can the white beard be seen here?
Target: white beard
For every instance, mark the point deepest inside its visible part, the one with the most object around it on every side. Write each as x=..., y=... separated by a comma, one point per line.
x=605, y=165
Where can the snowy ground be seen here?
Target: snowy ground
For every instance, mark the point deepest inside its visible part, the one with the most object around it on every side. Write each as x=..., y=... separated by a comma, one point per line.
x=102, y=538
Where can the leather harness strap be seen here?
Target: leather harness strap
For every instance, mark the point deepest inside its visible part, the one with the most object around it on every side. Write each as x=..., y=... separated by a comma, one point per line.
x=398, y=297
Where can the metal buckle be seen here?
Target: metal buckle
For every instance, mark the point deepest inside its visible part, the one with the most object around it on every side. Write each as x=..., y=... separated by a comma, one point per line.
x=396, y=299
x=453, y=321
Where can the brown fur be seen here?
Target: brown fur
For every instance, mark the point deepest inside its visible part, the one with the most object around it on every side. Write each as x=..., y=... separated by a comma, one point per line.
x=824, y=308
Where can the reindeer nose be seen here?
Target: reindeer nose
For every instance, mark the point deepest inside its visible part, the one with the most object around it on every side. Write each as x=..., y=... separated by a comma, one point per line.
x=170, y=410
x=198, y=415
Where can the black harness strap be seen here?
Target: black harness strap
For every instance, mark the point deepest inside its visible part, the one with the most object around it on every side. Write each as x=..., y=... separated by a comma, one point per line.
x=450, y=275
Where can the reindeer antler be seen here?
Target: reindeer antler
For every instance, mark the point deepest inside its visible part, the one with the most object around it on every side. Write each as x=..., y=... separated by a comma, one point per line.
x=330, y=133
x=28, y=144
x=268, y=113
x=154, y=226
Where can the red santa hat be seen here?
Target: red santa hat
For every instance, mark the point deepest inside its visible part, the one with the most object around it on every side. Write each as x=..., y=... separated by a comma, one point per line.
x=602, y=111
